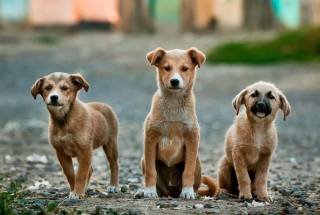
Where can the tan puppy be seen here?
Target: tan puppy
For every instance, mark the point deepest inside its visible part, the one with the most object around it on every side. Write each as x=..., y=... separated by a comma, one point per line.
x=251, y=140
x=77, y=128
x=170, y=163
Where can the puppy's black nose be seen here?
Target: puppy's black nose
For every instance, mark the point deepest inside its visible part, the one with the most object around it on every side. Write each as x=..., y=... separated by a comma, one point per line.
x=54, y=98
x=174, y=82
x=261, y=105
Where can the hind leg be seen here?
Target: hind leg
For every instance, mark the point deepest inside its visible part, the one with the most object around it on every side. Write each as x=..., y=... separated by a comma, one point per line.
x=227, y=178
x=111, y=151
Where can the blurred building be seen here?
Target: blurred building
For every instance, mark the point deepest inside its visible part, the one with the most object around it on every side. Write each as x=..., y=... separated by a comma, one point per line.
x=187, y=15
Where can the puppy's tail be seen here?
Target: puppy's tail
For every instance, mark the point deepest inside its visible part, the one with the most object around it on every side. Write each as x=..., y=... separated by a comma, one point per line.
x=212, y=187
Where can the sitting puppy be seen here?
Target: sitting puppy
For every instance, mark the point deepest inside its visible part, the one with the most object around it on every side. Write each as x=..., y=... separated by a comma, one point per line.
x=251, y=140
x=170, y=163
x=77, y=128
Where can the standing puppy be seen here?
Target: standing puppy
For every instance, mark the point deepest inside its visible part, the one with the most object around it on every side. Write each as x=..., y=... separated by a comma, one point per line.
x=77, y=128
x=170, y=163
x=251, y=140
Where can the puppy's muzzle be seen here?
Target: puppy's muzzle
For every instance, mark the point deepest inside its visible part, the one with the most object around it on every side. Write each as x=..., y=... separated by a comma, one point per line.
x=261, y=108
x=174, y=83
x=54, y=100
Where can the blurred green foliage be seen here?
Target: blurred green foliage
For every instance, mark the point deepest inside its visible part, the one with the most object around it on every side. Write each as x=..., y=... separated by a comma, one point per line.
x=13, y=203
x=292, y=46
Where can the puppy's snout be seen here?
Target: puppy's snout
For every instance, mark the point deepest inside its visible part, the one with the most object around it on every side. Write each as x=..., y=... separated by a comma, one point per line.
x=261, y=106
x=174, y=82
x=54, y=98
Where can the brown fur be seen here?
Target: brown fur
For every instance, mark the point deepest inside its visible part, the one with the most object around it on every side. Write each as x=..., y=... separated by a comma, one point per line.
x=77, y=128
x=250, y=142
x=171, y=131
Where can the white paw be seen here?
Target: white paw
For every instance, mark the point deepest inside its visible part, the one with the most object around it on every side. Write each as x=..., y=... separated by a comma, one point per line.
x=112, y=189
x=73, y=195
x=150, y=192
x=187, y=193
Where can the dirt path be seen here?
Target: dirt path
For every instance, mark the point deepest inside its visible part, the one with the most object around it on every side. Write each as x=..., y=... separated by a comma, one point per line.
x=118, y=74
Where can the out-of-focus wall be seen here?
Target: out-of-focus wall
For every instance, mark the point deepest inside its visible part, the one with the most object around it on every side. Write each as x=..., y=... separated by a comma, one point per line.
x=229, y=13
x=15, y=11
x=66, y=12
x=98, y=10
x=57, y=12
x=310, y=12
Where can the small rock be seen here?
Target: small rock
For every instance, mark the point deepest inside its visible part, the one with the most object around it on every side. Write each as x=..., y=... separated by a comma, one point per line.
x=167, y=205
x=285, y=192
x=198, y=206
x=91, y=192
x=103, y=194
x=133, y=186
x=39, y=185
x=53, y=190
x=298, y=194
x=133, y=180
x=290, y=210
x=214, y=210
x=35, y=158
x=139, y=194
x=134, y=211
x=254, y=204
x=307, y=202
x=8, y=158
x=46, y=194
x=124, y=188
x=71, y=202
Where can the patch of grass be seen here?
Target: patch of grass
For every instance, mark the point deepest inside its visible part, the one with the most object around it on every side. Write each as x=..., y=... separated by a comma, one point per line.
x=298, y=46
x=7, y=198
x=13, y=203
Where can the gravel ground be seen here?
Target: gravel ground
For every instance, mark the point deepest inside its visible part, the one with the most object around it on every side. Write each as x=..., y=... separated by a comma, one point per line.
x=116, y=68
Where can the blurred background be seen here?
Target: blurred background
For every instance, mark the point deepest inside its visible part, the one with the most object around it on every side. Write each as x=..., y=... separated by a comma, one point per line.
x=106, y=40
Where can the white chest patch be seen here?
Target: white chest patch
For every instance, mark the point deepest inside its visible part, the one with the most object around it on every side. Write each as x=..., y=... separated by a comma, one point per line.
x=260, y=139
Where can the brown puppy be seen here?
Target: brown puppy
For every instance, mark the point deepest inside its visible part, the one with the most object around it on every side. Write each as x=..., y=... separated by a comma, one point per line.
x=77, y=128
x=251, y=140
x=170, y=163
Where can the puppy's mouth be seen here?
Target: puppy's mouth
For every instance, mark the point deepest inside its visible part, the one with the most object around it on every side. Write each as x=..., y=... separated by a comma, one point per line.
x=175, y=88
x=54, y=105
x=260, y=115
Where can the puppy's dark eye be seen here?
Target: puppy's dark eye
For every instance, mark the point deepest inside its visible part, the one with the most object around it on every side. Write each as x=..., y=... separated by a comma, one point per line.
x=184, y=68
x=270, y=96
x=48, y=88
x=64, y=88
x=255, y=94
x=167, y=68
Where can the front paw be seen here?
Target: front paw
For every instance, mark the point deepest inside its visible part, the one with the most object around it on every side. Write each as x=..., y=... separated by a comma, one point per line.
x=187, y=193
x=247, y=196
x=113, y=189
x=264, y=197
x=150, y=192
x=75, y=196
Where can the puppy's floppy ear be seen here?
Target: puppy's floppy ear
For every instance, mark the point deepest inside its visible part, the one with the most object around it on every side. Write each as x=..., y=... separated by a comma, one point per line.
x=197, y=56
x=238, y=100
x=284, y=105
x=78, y=80
x=36, y=87
x=154, y=57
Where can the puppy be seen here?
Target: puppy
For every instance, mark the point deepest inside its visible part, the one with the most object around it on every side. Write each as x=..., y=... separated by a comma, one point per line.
x=77, y=128
x=170, y=163
x=251, y=140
